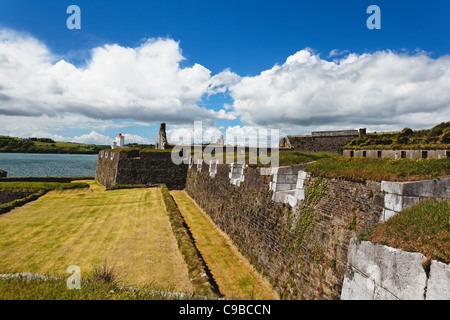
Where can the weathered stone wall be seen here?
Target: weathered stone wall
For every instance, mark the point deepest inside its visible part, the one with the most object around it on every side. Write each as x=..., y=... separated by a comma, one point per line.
x=106, y=171
x=302, y=250
x=337, y=133
x=333, y=144
x=116, y=167
x=378, y=272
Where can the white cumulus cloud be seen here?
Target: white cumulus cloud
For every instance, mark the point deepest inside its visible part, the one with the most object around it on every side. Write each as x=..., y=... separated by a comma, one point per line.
x=378, y=90
x=145, y=83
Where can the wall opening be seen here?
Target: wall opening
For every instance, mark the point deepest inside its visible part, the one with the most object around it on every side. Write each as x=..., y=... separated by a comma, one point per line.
x=364, y=154
x=352, y=154
x=379, y=154
x=424, y=154
x=403, y=154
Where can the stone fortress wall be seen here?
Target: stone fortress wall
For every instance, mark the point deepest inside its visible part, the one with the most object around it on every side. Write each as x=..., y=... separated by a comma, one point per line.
x=300, y=244
x=119, y=166
x=295, y=228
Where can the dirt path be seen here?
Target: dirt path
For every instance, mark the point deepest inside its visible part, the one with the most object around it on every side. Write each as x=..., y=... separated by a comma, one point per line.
x=233, y=273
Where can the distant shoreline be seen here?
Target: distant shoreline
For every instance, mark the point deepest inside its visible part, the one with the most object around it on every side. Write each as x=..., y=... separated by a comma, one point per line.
x=46, y=146
x=46, y=152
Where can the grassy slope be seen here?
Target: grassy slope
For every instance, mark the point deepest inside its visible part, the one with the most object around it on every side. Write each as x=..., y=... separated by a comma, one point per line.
x=128, y=228
x=424, y=227
x=360, y=169
x=232, y=272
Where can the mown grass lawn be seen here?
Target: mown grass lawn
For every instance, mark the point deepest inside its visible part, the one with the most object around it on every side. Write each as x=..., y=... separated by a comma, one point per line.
x=234, y=275
x=127, y=228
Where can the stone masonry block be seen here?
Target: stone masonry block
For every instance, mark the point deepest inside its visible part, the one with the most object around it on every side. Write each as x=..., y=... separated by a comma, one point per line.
x=387, y=214
x=398, y=203
x=357, y=286
x=300, y=194
x=439, y=281
x=399, y=272
x=281, y=186
x=392, y=187
x=291, y=178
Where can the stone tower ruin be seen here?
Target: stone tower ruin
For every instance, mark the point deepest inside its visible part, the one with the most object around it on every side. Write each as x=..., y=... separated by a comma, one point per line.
x=161, y=141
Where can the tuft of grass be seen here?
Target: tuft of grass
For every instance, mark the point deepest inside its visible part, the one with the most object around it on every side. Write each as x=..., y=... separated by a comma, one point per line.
x=107, y=275
x=424, y=228
x=361, y=169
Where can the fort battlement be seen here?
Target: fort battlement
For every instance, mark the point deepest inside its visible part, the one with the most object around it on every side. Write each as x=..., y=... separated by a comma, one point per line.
x=122, y=166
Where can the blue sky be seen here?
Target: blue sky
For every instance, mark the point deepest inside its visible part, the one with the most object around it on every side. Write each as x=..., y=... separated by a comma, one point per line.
x=245, y=38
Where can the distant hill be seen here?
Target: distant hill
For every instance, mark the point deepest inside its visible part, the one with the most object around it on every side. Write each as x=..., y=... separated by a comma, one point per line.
x=46, y=145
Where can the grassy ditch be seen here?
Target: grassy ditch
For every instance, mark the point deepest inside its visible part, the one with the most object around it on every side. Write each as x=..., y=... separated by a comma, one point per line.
x=424, y=228
x=201, y=279
x=235, y=276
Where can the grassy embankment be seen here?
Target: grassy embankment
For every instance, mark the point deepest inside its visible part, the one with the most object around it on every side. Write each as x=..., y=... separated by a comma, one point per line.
x=437, y=137
x=361, y=169
x=128, y=228
x=424, y=228
x=235, y=277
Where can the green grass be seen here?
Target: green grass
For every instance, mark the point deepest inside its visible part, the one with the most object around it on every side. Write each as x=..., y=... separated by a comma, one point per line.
x=285, y=158
x=361, y=169
x=104, y=283
x=424, y=228
x=46, y=186
x=129, y=228
x=235, y=277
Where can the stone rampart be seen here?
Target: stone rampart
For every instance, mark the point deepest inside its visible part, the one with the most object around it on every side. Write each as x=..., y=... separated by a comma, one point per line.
x=117, y=166
x=301, y=249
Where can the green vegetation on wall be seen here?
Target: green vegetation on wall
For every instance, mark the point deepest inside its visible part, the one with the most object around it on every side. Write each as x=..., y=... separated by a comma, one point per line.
x=437, y=137
x=361, y=169
x=305, y=219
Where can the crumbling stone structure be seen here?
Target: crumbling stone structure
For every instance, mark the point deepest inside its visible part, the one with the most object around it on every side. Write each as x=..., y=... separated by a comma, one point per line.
x=161, y=141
